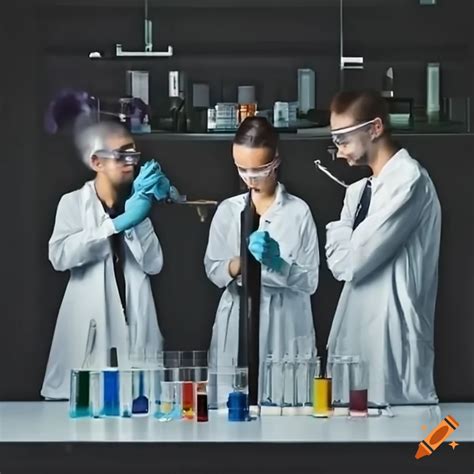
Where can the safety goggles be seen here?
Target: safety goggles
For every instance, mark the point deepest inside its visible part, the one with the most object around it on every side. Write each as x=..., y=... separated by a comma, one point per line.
x=343, y=136
x=126, y=157
x=259, y=173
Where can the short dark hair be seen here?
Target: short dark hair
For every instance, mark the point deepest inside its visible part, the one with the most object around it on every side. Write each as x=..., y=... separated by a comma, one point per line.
x=257, y=132
x=363, y=105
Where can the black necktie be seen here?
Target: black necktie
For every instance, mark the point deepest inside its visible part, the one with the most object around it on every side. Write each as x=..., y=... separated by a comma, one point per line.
x=364, y=204
x=118, y=260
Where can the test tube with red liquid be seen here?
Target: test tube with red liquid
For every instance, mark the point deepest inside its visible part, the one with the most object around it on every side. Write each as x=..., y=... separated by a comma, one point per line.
x=359, y=386
x=201, y=402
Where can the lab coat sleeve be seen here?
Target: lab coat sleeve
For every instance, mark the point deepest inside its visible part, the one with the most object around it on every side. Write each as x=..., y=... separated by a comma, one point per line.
x=71, y=245
x=352, y=255
x=218, y=253
x=145, y=247
x=300, y=271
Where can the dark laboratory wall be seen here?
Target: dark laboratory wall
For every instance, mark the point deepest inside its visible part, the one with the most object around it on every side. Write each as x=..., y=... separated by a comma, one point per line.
x=226, y=48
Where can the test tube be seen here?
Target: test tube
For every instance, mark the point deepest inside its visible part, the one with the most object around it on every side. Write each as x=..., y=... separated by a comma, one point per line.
x=221, y=376
x=288, y=382
x=359, y=384
x=168, y=395
x=188, y=400
x=126, y=400
x=340, y=372
x=201, y=402
x=311, y=375
x=156, y=377
x=140, y=392
x=111, y=392
x=301, y=384
x=96, y=393
x=267, y=392
x=321, y=391
x=79, y=400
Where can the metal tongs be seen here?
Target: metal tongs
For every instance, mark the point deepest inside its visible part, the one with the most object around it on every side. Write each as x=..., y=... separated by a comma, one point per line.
x=322, y=168
x=201, y=205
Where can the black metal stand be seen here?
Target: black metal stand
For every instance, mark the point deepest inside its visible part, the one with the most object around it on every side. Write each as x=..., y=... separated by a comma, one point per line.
x=249, y=322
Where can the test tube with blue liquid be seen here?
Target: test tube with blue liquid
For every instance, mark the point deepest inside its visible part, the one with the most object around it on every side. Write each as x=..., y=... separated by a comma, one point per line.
x=141, y=391
x=238, y=400
x=140, y=377
x=111, y=379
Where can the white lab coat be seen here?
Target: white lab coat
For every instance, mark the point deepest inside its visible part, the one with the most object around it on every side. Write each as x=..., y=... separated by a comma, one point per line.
x=80, y=243
x=389, y=264
x=286, y=318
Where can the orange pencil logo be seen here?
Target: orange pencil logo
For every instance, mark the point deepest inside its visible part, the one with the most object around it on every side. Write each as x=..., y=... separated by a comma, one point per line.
x=436, y=437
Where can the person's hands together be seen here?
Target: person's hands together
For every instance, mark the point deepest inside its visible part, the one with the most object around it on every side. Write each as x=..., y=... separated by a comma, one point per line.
x=152, y=181
x=147, y=177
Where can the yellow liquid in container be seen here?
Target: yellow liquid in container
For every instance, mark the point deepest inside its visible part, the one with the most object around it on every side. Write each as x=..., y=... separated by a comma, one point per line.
x=321, y=397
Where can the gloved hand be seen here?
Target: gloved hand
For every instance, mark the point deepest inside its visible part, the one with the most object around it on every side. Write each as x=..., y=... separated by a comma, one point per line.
x=152, y=181
x=147, y=177
x=161, y=190
x=265, y=250
x=137, y=208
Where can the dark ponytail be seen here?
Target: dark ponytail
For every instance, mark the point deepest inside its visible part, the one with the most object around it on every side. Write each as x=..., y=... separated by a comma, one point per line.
x=257, y=132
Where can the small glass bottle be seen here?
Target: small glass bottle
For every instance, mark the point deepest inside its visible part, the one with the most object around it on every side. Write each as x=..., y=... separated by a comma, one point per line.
x=201, y=402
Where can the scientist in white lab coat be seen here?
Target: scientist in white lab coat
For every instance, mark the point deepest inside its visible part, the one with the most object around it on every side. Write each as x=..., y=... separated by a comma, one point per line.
x=107, y=243
x=286, y=245
x=385, y=247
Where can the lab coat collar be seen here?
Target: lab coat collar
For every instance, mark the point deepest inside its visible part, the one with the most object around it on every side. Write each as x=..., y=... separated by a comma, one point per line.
x=281, y=196
x=385, y=172
x=91, y=196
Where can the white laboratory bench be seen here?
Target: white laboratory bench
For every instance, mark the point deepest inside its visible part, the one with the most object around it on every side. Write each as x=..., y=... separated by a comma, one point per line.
x=39, y=422
x=36, y=434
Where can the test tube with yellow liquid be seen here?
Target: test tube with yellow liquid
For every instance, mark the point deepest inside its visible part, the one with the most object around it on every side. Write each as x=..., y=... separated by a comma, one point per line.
x=321, y=391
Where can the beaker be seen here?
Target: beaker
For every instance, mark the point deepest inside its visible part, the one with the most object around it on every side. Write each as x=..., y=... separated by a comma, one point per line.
x=111, y=392
x=321, y=392
x=141, y=382
x=339, y=367
x=359, y=385
x=79, y=399
x=167, y=394
x=273, y=383
x=222, y=380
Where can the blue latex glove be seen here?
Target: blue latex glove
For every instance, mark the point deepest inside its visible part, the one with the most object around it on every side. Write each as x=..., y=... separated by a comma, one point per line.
x=161, y=190
x=137, y=208
x=152, y=181
x=265, y=250
x=147, y=177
